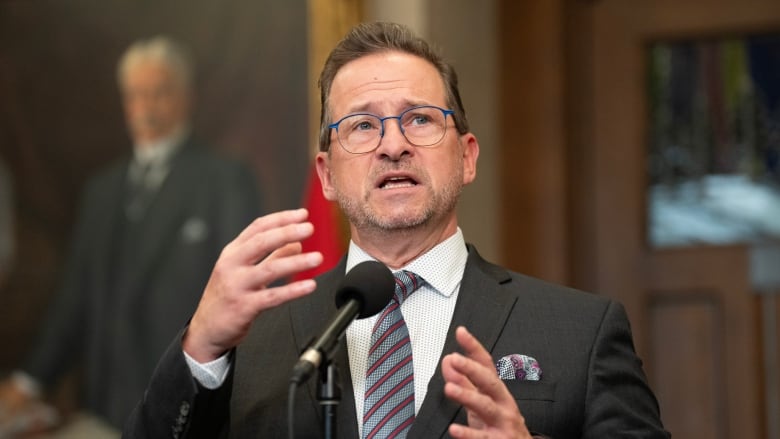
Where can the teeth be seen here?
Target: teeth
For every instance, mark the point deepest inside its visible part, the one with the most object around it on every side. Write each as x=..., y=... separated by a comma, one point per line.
x=392, y=185
x=396, y=182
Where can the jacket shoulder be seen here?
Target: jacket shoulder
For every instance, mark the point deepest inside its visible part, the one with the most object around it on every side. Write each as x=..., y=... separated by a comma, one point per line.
x=512, y=282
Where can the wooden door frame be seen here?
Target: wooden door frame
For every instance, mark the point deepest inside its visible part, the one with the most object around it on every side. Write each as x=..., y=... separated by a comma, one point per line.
x=605, y=83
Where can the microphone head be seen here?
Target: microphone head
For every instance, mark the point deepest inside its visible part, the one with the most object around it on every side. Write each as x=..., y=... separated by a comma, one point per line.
x=370, y=283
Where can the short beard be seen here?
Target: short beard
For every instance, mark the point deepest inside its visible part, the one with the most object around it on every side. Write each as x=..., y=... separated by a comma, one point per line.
x=439, y=206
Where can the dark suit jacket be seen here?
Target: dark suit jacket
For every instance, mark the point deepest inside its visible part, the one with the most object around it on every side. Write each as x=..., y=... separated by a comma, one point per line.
x=118, y=329
x=592, y=383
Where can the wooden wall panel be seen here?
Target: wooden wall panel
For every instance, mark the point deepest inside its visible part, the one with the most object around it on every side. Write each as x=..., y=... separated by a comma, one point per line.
x=694, y=279
x=532, y=169
x=769, y=307
x=689, y=371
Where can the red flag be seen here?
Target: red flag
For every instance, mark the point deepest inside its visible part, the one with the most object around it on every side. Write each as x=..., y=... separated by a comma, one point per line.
x=328, y=237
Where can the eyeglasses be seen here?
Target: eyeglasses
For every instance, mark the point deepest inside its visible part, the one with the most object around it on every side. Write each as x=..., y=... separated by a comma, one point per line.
x=361, y=133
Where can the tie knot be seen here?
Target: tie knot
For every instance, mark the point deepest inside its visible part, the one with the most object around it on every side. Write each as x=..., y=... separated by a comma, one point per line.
x=139, y=171
x=406, y=283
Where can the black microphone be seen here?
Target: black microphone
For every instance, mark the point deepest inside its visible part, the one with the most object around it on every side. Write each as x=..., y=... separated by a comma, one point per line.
x=365, y=290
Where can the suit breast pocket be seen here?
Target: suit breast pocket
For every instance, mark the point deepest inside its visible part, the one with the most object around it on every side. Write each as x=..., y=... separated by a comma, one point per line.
x=535, y=400
x=531, y=390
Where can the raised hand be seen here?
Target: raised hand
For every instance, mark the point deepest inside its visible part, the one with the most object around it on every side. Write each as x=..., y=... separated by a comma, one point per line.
x=471, y=380
x=239, y=288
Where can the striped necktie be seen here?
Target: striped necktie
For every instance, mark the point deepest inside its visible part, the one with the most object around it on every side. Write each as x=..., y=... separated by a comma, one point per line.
x=388, y=410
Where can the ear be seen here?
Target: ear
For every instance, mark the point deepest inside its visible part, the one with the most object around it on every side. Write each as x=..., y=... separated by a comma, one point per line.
x=322, y=161
x=470, y=155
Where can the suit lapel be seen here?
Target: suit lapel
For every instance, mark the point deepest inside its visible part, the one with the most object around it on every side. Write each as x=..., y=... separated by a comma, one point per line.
x=161, y=224
x=105, y=228
x=347, y=417
x=479, y=291
x=309, y=319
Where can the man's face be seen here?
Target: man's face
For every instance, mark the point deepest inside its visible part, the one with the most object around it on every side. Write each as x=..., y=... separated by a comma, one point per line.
x=398, y=186
x=155, y=101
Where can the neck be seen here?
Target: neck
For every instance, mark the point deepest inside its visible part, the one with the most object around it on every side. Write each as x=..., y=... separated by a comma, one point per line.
x=175, y=136
x=397, y=248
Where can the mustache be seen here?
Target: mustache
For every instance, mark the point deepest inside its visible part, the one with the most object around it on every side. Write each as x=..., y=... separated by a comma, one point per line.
x=404, y=165
x=398, y=165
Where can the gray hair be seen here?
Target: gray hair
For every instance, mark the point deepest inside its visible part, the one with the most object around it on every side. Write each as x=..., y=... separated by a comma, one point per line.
x=369, y=38
x=160, y=49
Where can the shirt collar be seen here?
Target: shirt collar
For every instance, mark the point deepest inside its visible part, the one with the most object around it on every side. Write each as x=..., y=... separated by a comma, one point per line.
x=161, y=150
x=442, y=266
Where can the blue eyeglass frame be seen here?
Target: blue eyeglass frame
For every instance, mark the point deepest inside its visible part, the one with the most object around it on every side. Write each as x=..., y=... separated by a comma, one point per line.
x=382, y=120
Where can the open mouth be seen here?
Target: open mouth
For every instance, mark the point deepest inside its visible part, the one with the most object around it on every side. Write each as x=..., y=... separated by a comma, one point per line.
x=397, y=182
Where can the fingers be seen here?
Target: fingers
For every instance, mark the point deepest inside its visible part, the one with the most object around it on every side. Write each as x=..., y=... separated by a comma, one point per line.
x=472, y=347
x=12, y=397
x=477, y=365
x=471, y=380
x=267, y=234
x=273, y=220
x=280, y=264
x=240, y=286
x=268, y=250
x=475, y=370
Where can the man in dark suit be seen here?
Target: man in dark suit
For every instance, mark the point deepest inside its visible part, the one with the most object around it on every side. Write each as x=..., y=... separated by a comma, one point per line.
x=148, y=231
x=537, y=359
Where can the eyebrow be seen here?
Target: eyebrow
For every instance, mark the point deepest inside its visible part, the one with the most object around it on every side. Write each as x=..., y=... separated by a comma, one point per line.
x=365, y=107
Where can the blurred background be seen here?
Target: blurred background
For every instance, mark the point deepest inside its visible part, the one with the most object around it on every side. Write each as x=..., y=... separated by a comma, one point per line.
x=596, y=167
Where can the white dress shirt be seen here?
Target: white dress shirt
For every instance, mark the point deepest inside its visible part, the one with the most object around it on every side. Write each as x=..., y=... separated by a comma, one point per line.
x=427, y=312
x=159, y=150
x=156, y=156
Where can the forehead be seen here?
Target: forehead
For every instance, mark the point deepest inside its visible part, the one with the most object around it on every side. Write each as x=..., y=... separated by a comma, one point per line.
x=149, y=71
x=385, y=82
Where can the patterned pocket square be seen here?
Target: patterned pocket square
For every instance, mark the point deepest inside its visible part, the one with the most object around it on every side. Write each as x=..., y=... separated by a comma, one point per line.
x=518, y=367
x=194, y=230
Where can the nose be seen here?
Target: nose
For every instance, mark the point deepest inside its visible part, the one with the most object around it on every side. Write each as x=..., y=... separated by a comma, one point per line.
x=393, y=143
x=140, y=102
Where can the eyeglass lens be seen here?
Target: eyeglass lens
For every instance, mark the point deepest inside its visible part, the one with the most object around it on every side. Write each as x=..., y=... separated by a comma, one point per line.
x=422, y=126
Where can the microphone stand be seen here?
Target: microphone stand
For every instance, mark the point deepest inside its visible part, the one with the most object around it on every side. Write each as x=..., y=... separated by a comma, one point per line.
x=329, y=395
